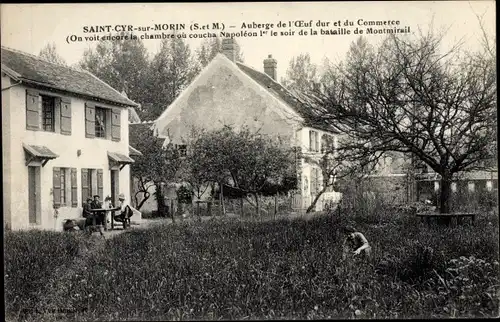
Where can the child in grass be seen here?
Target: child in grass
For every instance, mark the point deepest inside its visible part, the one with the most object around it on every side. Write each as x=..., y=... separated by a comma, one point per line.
x=355, y=242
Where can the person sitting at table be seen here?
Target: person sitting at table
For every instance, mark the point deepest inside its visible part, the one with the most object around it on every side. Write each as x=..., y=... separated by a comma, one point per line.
x=100, y=216
x=125, y=211
x=106, y=205
x=86, y=208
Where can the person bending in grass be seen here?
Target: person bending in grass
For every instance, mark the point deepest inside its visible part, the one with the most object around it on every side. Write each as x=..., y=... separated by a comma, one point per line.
x=355, y=242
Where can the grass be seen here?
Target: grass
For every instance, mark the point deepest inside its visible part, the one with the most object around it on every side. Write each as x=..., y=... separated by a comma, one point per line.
x=256, y=270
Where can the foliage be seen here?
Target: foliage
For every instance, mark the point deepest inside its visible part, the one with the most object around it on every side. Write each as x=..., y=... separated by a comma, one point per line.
x=172, y=69
x=246, y=162
x=301, y=74
x=123, y=64
x=209, y=48
x=184, y=195
x=49, y=53
x=408, y=96
x=276, y=269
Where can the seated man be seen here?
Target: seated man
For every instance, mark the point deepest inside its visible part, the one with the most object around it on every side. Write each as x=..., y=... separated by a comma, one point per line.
x=125, y=211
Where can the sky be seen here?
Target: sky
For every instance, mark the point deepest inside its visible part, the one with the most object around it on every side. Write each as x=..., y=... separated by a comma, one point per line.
x=29, y=27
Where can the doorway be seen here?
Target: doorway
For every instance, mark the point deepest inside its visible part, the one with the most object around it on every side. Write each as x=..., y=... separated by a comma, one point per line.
x=115, y=186
x=34, y=201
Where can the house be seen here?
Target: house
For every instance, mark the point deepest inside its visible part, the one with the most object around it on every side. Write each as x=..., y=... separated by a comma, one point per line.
x=227, y=92
x=398, y=178
x=65, y=138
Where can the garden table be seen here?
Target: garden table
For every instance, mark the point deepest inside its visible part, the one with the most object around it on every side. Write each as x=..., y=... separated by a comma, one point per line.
x=96, y=212
x=458, y=216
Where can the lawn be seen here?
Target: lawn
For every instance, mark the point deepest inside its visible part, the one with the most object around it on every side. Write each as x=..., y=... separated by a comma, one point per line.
x=227, y=269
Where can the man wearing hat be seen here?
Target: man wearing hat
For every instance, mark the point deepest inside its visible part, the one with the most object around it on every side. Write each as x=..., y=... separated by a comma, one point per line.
x=125, y=211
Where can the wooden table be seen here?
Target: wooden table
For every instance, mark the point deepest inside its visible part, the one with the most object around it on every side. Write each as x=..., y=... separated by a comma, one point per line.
x=96, y=212
x=458, y=216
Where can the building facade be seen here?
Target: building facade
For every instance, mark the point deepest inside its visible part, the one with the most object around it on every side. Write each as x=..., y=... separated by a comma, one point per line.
x=228, y=92
x=65, y=138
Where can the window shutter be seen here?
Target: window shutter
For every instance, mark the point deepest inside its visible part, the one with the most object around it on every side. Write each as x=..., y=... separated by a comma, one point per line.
x=32, y=110
x=311, y=140
x=56, y=187
x=85, y=185
x=316, y=141
x=115, y=124
x=65, y=106
x=100, y=189
x=89, y=120
x=313, y=182
x=74, y=187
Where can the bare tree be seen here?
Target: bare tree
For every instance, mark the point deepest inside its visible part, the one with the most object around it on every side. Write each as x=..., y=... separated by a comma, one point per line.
x=408, y=96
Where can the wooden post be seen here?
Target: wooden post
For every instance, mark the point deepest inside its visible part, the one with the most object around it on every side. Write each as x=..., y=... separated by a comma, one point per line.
x=221, y=194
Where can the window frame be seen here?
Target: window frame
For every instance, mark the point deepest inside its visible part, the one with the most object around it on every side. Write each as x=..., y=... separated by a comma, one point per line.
x=105, y=129
x=43, y=100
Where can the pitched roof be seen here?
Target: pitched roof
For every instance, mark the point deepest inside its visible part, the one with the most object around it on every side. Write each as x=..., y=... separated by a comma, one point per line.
x=39, y=72
x=281, y=92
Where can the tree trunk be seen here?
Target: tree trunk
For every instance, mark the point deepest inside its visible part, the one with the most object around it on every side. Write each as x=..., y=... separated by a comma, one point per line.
x=257, y=204
x=241, y=207
x=144, y=199
x=222, y=207
x=160, y=199
x=444, y=196
x=313, y=203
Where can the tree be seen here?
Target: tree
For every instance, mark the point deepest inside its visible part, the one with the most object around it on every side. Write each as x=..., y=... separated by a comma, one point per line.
x=122, y=64
x=209, y=48
x=143, y=169
x=246, y=162
x=301, y=74
x=172, y=69
x=159, y=164
x=49, y=53
x=408, y=96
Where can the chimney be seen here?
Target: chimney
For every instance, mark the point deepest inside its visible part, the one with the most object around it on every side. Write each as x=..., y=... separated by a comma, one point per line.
x=230, y=48
x=270, y=67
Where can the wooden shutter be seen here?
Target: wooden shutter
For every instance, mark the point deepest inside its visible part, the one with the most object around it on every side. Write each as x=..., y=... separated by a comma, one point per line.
x=89, y=120
x=66, y=116
x=311, y=140
x=32, y=110
x=74, y=187
x=85, y=185
x=116, y=124
x=56, y=187
x=100, y=189
x=313, y=182
x=316, y=141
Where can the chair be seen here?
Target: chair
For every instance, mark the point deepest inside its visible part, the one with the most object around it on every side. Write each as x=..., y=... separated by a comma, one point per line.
x=124, y=217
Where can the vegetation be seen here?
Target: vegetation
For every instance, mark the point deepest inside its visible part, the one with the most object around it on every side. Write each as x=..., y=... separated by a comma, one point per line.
x=224, y=269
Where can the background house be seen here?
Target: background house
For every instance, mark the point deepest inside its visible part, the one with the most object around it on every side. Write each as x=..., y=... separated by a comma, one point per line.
x=227, y=92
x=65, y=137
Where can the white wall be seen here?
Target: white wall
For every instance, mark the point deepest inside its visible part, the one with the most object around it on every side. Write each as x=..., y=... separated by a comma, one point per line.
x=93, y=155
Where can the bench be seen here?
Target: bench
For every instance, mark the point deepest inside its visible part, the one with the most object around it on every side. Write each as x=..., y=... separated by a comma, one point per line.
x=458, y=216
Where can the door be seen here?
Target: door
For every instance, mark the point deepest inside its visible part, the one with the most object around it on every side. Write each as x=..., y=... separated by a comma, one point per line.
x=33, y=194
x=115, y=186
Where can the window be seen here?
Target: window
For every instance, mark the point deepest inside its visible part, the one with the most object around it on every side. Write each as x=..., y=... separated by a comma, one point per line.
x=92, y=183
x=48, y=113
x=313, y=141
x=100, y=122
